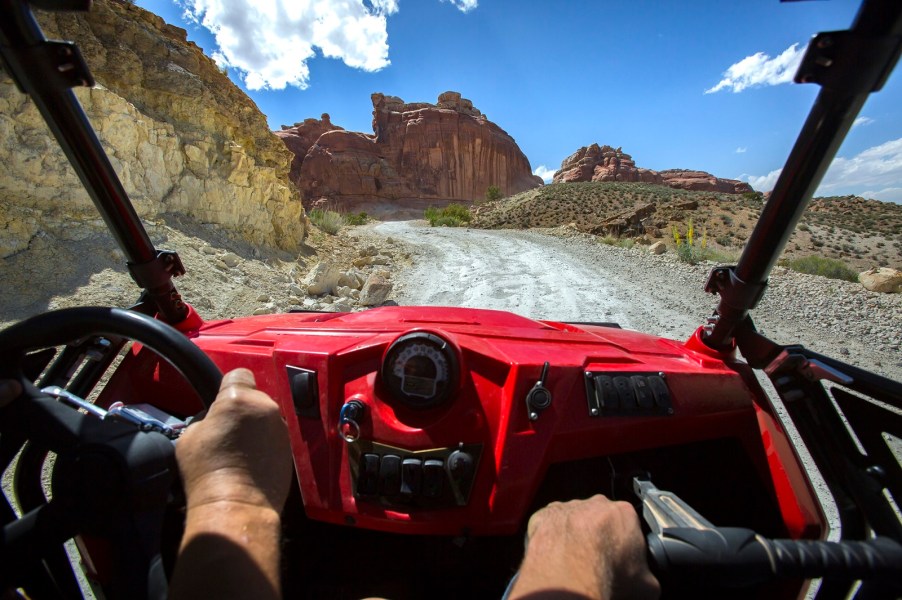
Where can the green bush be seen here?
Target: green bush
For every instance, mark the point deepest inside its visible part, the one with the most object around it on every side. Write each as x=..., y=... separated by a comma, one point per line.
x=454, y=215
x=493, y=193
x=824, y=267
x=359, y=219
x=327, y=220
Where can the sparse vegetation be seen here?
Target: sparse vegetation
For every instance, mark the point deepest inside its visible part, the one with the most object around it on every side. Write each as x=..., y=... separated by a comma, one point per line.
x=454, y=215
x=359, y=219
x=326, y=220
x=825, y=267
x=611, y=240
x=689, y=249
x=493, y=193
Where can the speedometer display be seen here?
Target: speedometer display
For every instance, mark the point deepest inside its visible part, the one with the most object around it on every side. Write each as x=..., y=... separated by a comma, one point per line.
x=420, y=370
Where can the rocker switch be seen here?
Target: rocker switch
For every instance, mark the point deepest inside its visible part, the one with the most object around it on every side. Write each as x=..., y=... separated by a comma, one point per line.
x=411, y=477
x=433, y=478
x=368, y=479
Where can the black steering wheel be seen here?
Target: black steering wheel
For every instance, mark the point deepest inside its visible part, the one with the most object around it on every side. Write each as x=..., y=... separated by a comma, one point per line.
x=112, y=480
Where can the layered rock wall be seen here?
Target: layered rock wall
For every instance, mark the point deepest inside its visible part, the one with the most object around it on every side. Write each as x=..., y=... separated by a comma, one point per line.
x=604, y=163
x=181, y=136
x=419, y=154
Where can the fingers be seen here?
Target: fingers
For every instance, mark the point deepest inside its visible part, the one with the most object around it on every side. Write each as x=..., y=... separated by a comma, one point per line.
x=10, y=389
x=239, y=378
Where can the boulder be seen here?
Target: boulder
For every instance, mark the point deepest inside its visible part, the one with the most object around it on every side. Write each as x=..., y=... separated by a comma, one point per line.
x=658, y=248
x=322, y=279
x=882, y=279
x=375, y=291
x=419, y=154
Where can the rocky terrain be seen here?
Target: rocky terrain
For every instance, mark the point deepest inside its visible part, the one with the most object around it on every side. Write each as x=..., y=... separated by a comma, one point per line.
x=604, y=163
x=419, y=154
x=861, y=233
x=182, y=137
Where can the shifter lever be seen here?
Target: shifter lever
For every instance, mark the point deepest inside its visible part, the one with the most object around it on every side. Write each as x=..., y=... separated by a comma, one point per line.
x=539, y=397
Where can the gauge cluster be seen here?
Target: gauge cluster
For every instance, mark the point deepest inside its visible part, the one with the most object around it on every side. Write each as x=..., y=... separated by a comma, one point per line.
x=421, y=370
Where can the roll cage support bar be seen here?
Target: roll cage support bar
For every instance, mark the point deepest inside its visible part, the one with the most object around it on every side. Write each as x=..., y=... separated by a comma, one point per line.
x=47, y=71
x=848, y=65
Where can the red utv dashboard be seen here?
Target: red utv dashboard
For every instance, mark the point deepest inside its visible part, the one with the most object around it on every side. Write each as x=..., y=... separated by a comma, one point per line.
x=452, y=421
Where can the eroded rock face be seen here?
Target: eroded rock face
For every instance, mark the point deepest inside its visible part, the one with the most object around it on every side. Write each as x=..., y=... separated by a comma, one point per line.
x=703, y=182
x=604, y=163
x=419, y=154
x=181, y=136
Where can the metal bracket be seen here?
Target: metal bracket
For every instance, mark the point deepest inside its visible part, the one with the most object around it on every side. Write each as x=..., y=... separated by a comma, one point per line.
x=61, y=66
x=849, y=62
x=158, y=271
x=733, y=291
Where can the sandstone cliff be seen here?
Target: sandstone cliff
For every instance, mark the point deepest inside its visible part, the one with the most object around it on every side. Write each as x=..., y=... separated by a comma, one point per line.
x=182, y=137
x=604, y=163
x=420, y=154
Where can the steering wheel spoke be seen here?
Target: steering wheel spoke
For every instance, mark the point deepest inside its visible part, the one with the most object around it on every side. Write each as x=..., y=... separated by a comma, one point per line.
x=114, y=470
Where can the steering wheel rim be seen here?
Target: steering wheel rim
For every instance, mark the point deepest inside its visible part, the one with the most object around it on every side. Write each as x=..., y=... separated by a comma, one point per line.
x=71, y=430
x=59, y=327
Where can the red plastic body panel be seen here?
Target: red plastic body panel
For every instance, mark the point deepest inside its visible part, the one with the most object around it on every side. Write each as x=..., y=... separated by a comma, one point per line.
x=501, y=357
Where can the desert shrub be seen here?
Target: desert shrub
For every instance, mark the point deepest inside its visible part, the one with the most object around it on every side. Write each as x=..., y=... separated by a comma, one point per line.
x=690, y=249
x=359, y=219
x=824, y=267
x=493, y=193
x=326, y=220
x=453, y=215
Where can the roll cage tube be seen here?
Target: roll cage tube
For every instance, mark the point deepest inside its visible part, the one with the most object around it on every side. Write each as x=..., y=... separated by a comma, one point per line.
x=46, y=71
x=848, y=65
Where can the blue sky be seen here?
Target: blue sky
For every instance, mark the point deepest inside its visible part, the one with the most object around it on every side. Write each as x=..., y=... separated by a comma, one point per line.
x=560, y=75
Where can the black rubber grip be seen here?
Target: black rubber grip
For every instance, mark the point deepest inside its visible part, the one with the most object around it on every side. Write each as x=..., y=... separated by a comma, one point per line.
x=734, y=557
x=877, y=558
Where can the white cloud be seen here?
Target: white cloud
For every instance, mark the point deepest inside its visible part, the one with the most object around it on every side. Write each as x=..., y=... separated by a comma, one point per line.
x=762, y=183
x=759, y=69
x=875, y=172
x=862, y=121
x=464, y=5
x=270, y=41
x=876, y=167
x=545, y=173
x=741, y=150
x=890, y=194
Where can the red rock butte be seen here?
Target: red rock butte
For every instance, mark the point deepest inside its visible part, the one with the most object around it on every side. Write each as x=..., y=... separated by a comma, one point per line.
x=419, y=155
x=604, y=163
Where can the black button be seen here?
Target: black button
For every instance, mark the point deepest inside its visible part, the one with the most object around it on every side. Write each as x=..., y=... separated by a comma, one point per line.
x=644, y=395
x=433, y=478
x=605, y=392
x=390, y=475
x=303, y=392
x=368, y=477
x=411, y=477
x=624, y=393
x=659, y=389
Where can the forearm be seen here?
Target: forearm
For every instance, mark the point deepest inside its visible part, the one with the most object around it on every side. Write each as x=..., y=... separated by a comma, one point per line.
x=229, y=550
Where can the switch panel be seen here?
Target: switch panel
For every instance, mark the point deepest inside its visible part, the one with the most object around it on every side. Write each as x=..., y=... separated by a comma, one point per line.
x=627, y=394
x=434, y=478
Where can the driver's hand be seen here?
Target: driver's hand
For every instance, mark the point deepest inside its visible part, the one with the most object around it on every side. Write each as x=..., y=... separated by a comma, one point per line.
x=590, y=548
x=9, y=391
x=240, y=452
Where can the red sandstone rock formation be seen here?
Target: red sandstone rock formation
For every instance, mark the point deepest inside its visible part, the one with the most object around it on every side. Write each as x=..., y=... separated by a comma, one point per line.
x=301, y=136
x=420, y=154
x=604, y=163
x=703, y=182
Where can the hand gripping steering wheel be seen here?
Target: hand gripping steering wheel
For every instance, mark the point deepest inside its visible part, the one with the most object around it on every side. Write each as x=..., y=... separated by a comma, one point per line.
x=112, y=480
